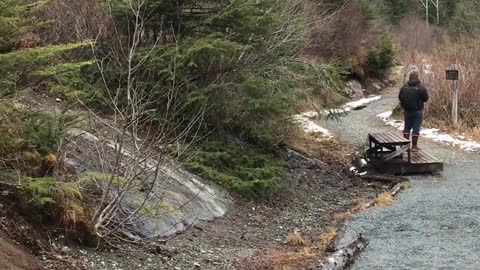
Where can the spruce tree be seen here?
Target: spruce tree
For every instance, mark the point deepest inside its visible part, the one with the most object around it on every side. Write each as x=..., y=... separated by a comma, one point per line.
x=24, y=67
x=236, y=59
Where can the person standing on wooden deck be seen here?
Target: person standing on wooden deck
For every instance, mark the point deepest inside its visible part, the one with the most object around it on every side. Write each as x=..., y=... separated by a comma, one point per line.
x=412, y=97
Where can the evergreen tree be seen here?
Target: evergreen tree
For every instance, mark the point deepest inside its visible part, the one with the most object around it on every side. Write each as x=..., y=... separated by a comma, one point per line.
x=466, y=17
x=27, y=67
x=397, y=9
x=236, y=59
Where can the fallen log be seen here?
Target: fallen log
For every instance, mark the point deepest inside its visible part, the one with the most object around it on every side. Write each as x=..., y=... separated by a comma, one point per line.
x=390, y=179
x=396, y=189
x=344, y=257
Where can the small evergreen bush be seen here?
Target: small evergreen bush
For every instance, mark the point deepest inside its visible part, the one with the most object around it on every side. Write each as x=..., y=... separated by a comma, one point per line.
x=239, y=167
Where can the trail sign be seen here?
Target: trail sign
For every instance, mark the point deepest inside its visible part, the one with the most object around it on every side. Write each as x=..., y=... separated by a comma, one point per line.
x=452, y=75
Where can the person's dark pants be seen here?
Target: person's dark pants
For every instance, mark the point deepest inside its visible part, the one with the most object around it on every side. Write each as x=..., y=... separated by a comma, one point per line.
x=413, y=121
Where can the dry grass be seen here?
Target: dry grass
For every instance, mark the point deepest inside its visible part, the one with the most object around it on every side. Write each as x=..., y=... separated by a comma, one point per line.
x=342, y=215
x=330, y=151
x=432, y=58
x=413, y=38
x=359, y=206
x=406, y=184
x=281, y=260
x=297, y=240
x=328, y=236
x=384, y=199
x=300, y=253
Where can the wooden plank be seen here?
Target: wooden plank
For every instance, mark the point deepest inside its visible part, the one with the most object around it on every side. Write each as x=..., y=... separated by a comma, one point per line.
x=396, y=153
x=379, y=138
x=430, y=157
x=398, y=138
x=399, y=166
x=421, y=162
x=423, y=157
x=384, y=138
x=373, y=138
x=389, y=138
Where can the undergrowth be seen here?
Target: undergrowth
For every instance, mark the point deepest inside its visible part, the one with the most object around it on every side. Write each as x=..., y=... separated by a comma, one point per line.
x=47, y=200
x=246, y=170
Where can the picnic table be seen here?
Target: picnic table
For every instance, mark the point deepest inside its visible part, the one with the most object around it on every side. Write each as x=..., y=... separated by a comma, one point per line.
x=388, y=145
x=387, y=152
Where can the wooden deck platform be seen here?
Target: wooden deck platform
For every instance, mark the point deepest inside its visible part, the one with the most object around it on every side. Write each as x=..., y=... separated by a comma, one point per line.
x=390, y=153
x=421, y=162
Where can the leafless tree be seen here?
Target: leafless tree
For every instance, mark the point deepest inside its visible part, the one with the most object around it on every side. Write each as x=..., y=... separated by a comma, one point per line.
x=132, y=152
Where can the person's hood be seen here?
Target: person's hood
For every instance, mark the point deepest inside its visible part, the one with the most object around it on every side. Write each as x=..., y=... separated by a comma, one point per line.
x=414, y=82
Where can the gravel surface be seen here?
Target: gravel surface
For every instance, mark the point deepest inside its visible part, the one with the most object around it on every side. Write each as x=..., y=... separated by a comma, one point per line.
x=434, y=224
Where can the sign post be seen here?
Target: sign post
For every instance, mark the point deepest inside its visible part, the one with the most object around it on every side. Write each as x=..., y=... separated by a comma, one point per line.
x=453, y=76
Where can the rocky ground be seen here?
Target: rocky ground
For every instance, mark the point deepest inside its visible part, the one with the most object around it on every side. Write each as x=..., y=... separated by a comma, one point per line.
x=314, y=199
x=317, y=192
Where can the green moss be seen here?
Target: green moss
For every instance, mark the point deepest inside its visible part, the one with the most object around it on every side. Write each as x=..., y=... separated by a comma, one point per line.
x=97, y=177
x=47, y=191
x=248, y=171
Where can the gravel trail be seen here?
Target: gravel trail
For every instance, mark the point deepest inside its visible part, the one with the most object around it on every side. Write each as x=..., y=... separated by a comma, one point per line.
x=433, y=225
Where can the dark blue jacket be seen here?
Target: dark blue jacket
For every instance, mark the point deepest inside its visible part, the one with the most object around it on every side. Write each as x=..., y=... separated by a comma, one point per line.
x=419, y=98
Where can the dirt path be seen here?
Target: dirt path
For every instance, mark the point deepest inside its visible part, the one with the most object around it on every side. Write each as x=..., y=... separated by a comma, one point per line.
x=433, y=225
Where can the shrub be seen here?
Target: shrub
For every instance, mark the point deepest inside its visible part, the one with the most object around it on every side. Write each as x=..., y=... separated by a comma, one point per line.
x=243, y=169
x=48, y=200
x=30, y=135
x=464, y=52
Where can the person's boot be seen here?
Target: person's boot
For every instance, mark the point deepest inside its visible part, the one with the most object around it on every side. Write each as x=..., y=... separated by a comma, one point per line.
x=415, y=143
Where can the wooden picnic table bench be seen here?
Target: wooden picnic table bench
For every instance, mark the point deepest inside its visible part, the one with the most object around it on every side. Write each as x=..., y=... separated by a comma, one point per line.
x=386, y=152
x=388, y=145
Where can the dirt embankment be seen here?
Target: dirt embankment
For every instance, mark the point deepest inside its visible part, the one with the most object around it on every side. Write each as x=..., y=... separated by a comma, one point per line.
x=253, y=234
x=14, y=257
x=259, y=234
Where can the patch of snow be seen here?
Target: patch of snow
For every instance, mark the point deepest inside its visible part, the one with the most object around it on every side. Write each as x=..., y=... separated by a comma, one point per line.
x=363, y=162
x=311, y=127
x=435, y=134
x=84, y=134
x=361, y=102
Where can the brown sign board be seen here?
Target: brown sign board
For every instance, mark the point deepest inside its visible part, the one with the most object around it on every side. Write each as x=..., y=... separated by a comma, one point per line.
x=452, y=75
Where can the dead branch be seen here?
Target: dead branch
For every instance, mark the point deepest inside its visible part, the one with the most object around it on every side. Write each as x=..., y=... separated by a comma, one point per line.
x=384, y=178
x=344, y=257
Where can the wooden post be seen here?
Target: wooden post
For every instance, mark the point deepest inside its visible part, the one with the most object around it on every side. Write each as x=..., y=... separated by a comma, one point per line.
x=454, y=75
x=455, y=100
x=455, y=104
